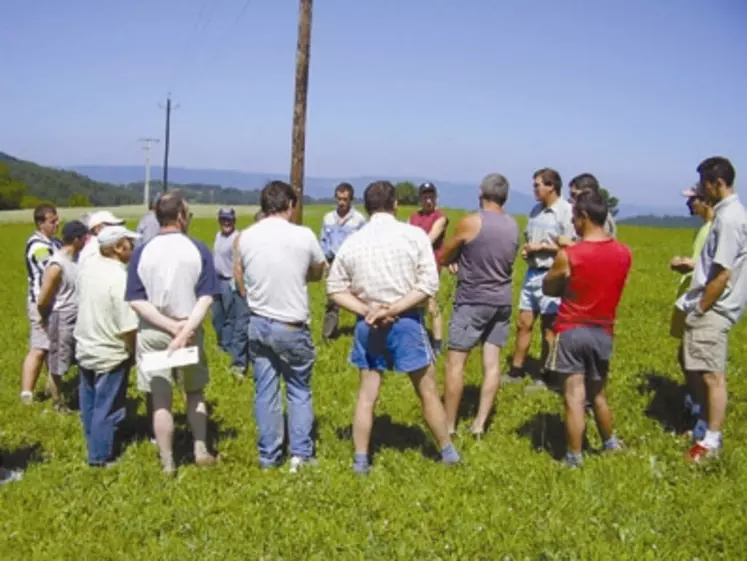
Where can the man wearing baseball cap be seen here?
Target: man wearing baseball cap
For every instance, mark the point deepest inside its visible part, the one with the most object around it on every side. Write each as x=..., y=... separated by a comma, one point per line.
x=97, y=222
x=58, y=308
x=434, y=223
x=105, y=342
x=223, y=310
x=698, y=206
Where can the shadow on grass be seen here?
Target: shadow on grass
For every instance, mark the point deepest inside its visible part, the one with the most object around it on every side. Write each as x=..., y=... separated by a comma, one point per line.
x=547, y=434
x=20, y=458
x=666, y=404
x=388, y=434
x=137, y=427
x=471, y=403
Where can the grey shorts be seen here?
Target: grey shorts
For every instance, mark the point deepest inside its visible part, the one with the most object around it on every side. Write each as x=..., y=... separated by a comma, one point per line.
x=472, y=324
x=582, y=350
x=61, y=328
x=38, y=338
x=705, y=342
x=192, y=378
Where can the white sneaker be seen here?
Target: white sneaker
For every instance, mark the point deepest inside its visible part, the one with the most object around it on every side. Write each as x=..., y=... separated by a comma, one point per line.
x=9, y=476
x=297, y=462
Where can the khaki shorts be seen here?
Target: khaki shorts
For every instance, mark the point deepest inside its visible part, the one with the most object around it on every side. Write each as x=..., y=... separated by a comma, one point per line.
x=61, y=329
x=705, y=342
x=191, y=378
x=38, y=338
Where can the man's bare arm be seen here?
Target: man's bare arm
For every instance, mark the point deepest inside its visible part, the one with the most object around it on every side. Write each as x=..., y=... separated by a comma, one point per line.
x=718, y=279
x=316, y=271
x=464, y=232
x=150, y=314
x=438, y=228
x=50, y=283
x=350, y=302
x=555, y=281
x=238, y=269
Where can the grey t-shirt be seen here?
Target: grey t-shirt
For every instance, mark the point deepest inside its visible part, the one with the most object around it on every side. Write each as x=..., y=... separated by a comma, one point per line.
x=545, y=224
x=65, y=299
x=223, y=254
x=148, y=228
x=726, y=247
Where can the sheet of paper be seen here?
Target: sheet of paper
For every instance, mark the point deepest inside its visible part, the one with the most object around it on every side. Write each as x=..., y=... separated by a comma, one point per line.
x=161, y=361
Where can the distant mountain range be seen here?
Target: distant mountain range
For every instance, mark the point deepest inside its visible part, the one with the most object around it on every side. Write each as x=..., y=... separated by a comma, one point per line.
x=451, y=194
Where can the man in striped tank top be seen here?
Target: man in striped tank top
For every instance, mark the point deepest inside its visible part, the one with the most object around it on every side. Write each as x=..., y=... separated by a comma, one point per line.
x=481, y=253
x=589, y=276
x=39, y=249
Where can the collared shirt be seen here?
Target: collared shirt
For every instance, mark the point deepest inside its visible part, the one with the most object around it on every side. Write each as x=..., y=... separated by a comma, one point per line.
x=103, y=316
x=336, y=229
x=545, y=224
x=276, y=256
x=726, y=247
x=384, y=261
x=148, y=228
x=223, y=254
x=172, y=271
x=39, y=250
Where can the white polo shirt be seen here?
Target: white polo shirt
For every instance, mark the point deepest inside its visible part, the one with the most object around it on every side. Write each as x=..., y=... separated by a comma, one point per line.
x=276, y=256
x=172, y=271
x=103, y=315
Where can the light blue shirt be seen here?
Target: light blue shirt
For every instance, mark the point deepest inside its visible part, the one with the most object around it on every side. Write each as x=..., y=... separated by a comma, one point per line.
x=336, y=229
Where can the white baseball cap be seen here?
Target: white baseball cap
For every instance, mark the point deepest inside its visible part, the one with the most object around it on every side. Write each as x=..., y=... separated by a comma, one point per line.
x=112, y=234
x=103, y=217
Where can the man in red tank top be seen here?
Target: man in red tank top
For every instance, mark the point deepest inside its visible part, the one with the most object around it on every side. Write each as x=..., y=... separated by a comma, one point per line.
x=589, y=277
x=434, y=223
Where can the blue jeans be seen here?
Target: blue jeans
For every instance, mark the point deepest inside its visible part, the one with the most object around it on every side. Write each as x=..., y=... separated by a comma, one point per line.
x=102, y=409
x=224, y=315
x=239, y=348
x=277, y=349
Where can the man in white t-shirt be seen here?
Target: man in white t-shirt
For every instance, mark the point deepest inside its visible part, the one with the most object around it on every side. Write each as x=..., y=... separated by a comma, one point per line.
x=278, y=259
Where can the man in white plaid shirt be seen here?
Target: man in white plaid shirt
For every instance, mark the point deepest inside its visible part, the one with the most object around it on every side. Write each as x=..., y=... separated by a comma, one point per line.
x=385, y=273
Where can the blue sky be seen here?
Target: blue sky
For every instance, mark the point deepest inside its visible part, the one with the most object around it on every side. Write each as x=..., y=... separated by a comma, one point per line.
x=636, y=91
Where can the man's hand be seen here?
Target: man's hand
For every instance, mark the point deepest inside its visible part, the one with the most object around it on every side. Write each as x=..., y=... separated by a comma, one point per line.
x=681, y=264
x=454, y=268
x=379, y=315
x=177, y=327
x=182, y=339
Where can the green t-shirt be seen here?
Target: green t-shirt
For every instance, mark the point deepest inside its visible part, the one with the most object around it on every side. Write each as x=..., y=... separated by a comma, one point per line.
x=700, y=240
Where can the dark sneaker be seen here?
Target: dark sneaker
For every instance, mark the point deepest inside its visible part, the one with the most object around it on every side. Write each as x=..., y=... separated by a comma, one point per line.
x=9, y=476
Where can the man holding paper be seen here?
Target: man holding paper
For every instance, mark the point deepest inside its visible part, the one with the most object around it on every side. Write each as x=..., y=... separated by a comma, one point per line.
x=171, y=282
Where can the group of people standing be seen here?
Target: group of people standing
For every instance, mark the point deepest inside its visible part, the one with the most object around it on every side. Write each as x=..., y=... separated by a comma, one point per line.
x=103, y=296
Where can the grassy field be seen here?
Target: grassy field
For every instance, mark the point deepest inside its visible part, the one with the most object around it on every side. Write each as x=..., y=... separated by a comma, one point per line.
x=509, y=501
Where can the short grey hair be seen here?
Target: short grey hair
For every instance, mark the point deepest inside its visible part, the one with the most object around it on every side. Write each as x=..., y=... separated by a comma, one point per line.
x=494, y=188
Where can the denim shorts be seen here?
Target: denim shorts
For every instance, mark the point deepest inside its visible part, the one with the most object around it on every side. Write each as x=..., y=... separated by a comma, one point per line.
x=402, y=346
x=532, y=299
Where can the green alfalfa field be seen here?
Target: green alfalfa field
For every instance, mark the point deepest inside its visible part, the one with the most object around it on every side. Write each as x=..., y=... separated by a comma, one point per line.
x=511, y=498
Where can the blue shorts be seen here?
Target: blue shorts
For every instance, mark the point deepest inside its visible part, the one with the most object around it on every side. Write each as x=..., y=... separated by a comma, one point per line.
x=402, y=346
x=532, y=299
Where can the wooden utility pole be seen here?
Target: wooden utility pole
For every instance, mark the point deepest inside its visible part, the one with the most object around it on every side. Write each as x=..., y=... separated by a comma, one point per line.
x=146, y=142
x=298, y=151
x=168, y=139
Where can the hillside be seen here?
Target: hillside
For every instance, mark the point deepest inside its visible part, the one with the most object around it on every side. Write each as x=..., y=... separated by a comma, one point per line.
x=60, y=187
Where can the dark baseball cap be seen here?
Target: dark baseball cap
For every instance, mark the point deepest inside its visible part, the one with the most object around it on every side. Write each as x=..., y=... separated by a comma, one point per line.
x=427, y=187
x=73, y=229
x=226, y=214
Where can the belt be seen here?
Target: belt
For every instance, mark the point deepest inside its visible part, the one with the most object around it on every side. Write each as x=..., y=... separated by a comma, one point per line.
x=292, y=324
x=539, y=268
x=221, y=277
